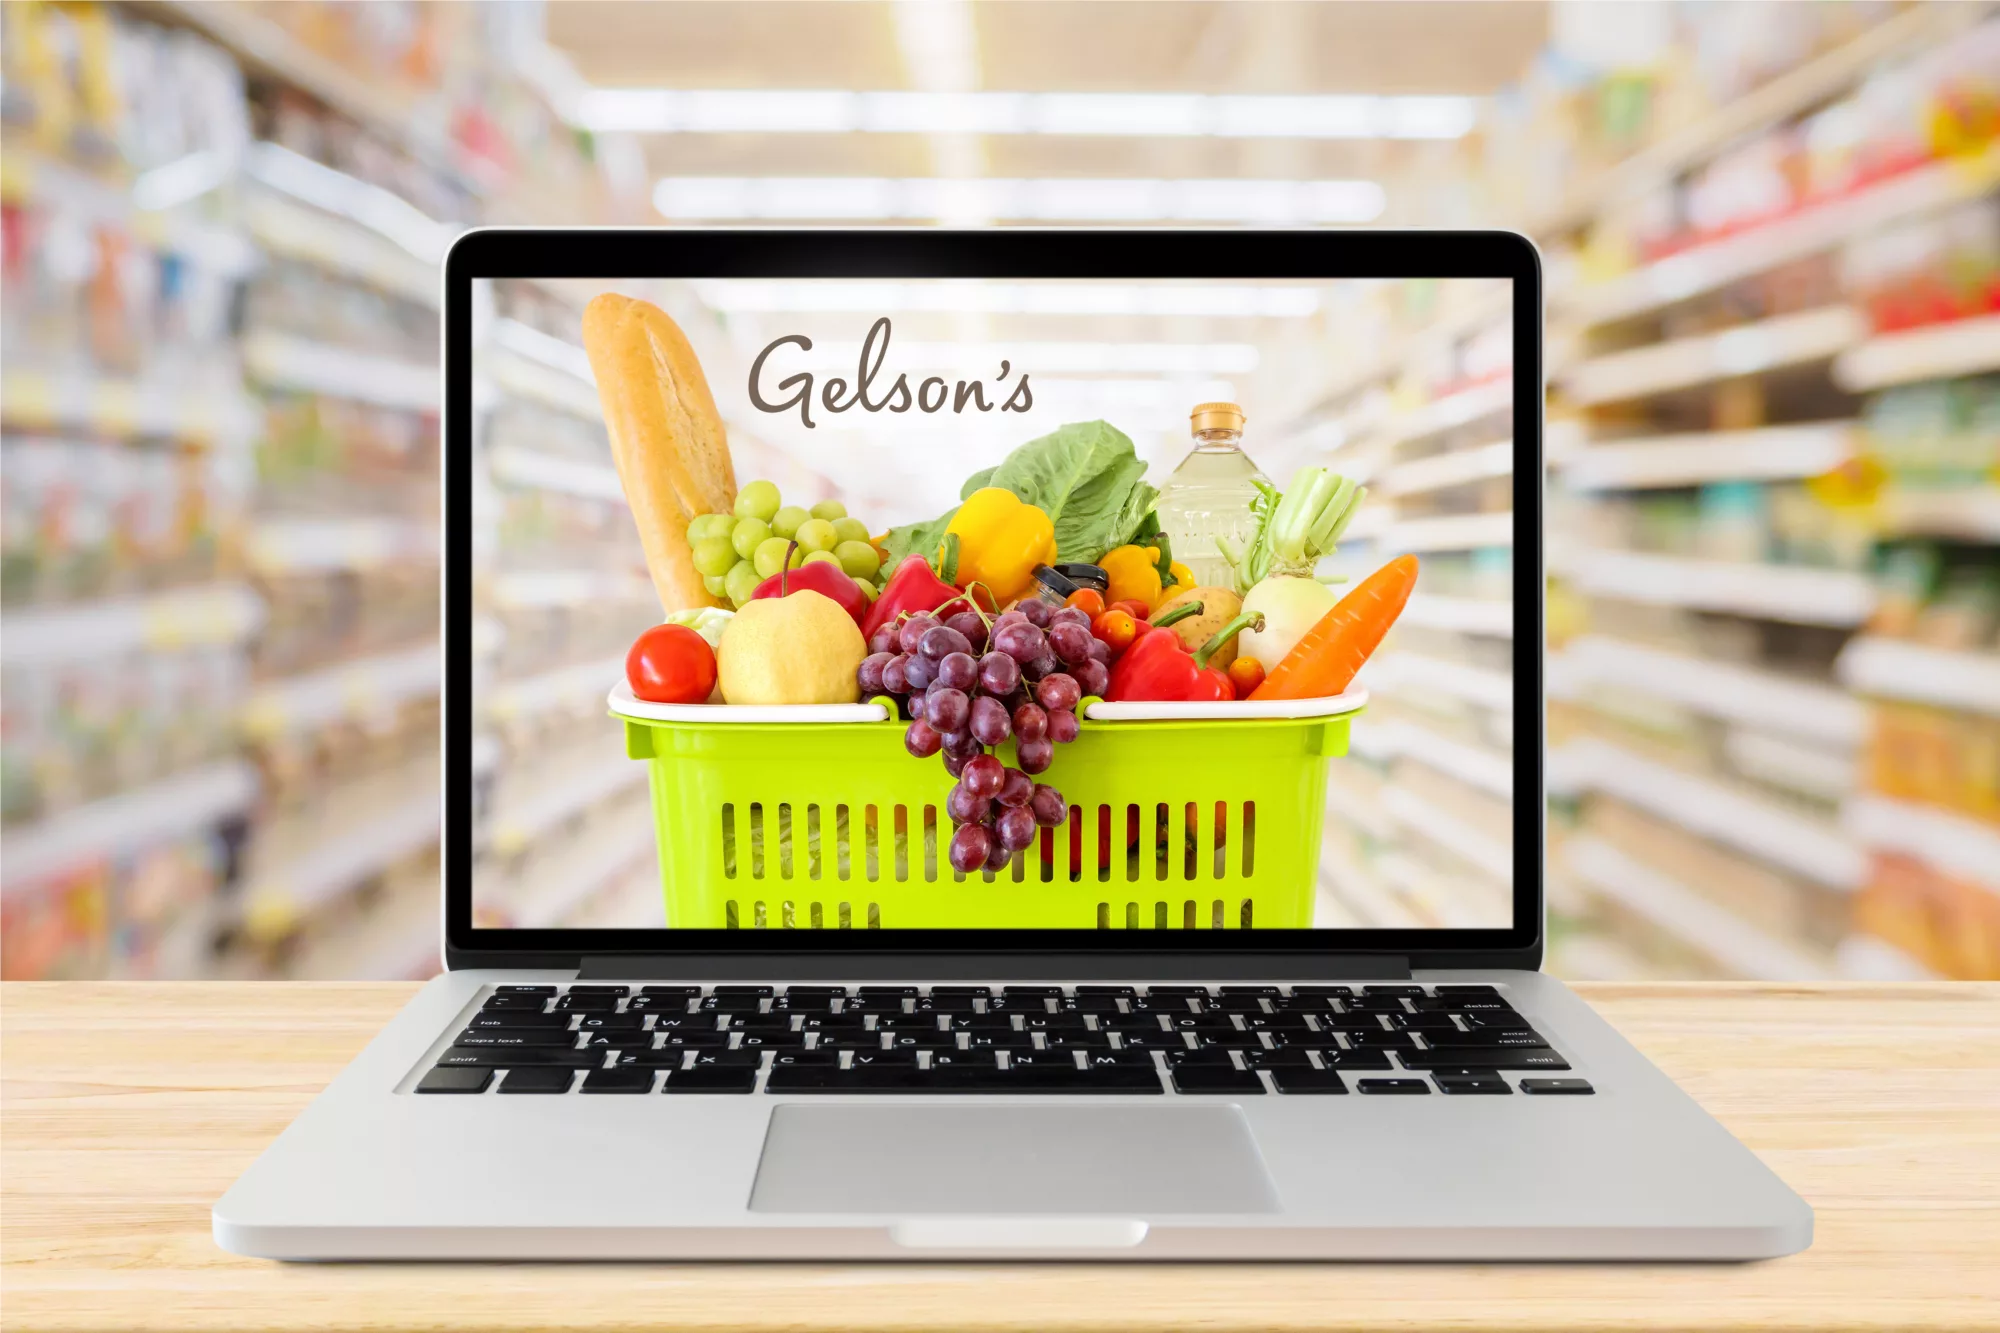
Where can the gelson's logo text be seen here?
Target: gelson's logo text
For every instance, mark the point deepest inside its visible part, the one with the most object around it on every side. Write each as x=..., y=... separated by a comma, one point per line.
x=836, y=395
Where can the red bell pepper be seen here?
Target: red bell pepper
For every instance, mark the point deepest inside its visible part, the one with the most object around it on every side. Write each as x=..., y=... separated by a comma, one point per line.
x=1157, y=668
x=821, y=576
x=915, y=587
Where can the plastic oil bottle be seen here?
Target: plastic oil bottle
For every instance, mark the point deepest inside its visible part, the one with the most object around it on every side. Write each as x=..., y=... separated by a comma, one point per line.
x=1210, y=493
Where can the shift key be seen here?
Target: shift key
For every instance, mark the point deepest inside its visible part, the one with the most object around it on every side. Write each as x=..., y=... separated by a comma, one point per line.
x=1469, y=1058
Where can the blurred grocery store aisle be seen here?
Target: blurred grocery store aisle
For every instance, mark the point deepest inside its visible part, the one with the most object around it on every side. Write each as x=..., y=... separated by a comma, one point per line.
x=1773, y=257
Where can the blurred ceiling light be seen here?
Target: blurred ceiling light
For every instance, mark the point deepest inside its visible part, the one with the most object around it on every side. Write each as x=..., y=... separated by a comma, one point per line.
x=839, y=296
x=1151, y=115
x=1050, y=358
x=1270, y=202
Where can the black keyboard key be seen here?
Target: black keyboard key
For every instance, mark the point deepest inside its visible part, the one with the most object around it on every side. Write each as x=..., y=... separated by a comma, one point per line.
x=1120, y=992
x=1207, y=1078
x=514, y=1004
x=1425, y=1023
x=1117, y=1060
x=849, y=1041
x=507, y=1020
x=757, y=1023
x=1380, y=1041
x=822, y=1078
x=622, y=1079
x=815, y=992
x=515, y=1037
x=732, y=1004
x=663, y=1005
x=452, y=1079
x=803, y=1004
x=1032, y=992
x=711, y=1079
x=1354, y=1059
x=1465, y=990
x=882, y=1060
x=1105, y=1080
x=619, y=991
x=697, y=1040
x=1248, y=990
x=670, y=992
x=1558, y=1087
x=537, y=1080
x=1407, y=991
x=672, y=1057
x=1209, y=1055
x=1177, y=992
x=878, y=992
x=1290, y=1025
x=802, y=1057
x=1102, y=1005
x=1469, y=1085
x=1076, y=1041
x=1292, y=1057
x=1296, y=1082
x=923, y=1041
x=1230, y=1041
x=1323, y=992
x=1484, y=1039
x=587, y=1004
x=618, y=1041
x=1150, y=1039
x=611, y=1022
x=771, y=1041
x=1235, y=1004
x=1394, y=1087
x=761, y=992
x=510, y=1057
x=1462, y=1058
x=1476, y=1004
x=737, y=1059
x=524, y=990
x=980, y=992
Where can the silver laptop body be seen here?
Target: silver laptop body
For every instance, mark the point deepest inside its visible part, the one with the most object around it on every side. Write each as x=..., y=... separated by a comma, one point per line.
x=1590, y=1154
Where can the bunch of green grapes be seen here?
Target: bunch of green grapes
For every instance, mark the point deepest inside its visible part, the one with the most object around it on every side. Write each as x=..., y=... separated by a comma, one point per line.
x=735, y=552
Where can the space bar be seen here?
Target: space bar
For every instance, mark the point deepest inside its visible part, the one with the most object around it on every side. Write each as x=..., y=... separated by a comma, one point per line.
x=794, y=1078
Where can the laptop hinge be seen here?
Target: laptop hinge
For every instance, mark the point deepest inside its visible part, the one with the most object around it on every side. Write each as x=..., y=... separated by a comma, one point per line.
x=950, y=967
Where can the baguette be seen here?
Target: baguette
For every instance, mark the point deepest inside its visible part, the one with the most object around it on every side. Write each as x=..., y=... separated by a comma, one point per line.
x=666, y=436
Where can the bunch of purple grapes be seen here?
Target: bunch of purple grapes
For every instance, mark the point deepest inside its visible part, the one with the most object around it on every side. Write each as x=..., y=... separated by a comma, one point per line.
x=966, y=685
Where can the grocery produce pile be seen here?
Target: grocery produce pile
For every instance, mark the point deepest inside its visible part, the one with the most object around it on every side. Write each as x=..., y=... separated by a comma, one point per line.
x=987, y=627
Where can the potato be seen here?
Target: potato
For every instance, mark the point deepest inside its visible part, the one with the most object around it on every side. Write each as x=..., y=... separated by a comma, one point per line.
x=1219, y=606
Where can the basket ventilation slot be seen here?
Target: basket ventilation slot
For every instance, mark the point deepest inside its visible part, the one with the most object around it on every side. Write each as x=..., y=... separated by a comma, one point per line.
x=1162, y=843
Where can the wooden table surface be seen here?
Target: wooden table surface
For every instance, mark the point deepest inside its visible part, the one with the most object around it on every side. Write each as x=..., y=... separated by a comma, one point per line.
x=128, y=1108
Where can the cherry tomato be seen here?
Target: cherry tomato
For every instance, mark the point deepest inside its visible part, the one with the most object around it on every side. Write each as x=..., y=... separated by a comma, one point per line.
x=1134, y=608
x=670, y=664
x=1246, y=674
x=1117, y=629
x=1087, y=600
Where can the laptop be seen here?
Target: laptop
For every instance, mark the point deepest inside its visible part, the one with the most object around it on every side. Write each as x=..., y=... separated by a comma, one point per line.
x=1258, y=985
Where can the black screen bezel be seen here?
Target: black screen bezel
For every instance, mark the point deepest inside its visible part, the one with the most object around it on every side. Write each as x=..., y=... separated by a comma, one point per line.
x=995, y=253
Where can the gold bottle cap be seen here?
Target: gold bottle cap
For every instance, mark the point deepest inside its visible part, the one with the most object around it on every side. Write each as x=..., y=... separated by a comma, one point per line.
x=1216, y=416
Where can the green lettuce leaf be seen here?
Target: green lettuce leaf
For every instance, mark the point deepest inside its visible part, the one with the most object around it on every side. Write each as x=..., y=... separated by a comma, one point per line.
x=1085, y=476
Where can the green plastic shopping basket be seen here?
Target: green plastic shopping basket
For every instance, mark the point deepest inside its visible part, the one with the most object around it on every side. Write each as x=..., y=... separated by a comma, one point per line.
x=1174, y=823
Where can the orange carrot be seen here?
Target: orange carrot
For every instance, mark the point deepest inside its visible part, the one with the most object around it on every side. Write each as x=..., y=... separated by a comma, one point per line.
x=1332, y=651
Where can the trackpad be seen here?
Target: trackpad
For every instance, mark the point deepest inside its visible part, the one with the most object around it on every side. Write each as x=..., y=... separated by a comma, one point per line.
x=906, y=1159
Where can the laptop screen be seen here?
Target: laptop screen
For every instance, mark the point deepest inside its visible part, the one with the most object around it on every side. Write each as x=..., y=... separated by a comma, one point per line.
x=1081, y=603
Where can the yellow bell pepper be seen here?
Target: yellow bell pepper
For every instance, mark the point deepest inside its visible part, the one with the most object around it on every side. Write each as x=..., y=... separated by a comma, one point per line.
x=1134, y=572
x=999, y=540
x=1183, y=581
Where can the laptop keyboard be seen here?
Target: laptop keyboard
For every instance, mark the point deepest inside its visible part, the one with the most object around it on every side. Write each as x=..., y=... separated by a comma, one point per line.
x=1385, y=1040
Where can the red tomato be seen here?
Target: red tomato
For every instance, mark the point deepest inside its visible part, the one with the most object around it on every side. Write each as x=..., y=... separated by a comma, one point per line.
x=670, y=664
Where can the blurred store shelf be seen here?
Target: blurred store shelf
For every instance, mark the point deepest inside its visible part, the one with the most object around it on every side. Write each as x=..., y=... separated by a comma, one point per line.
x=1465, y=615
x=514, y=465
x=1915, y=672
x=1701, y=269
x=1742, y=694
x=1729, y=813
x=1950, y=841
x=1452, y=532
x=1935, y=352
x=1691, y=918
x=128, y=822
x=305, y=545
x=566, y=689
x=307, y=366
x=160, y=622
x=349, y=691
x=1681, y=363
x=124, y=408
x=1792, y=593
x=1691, y=458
